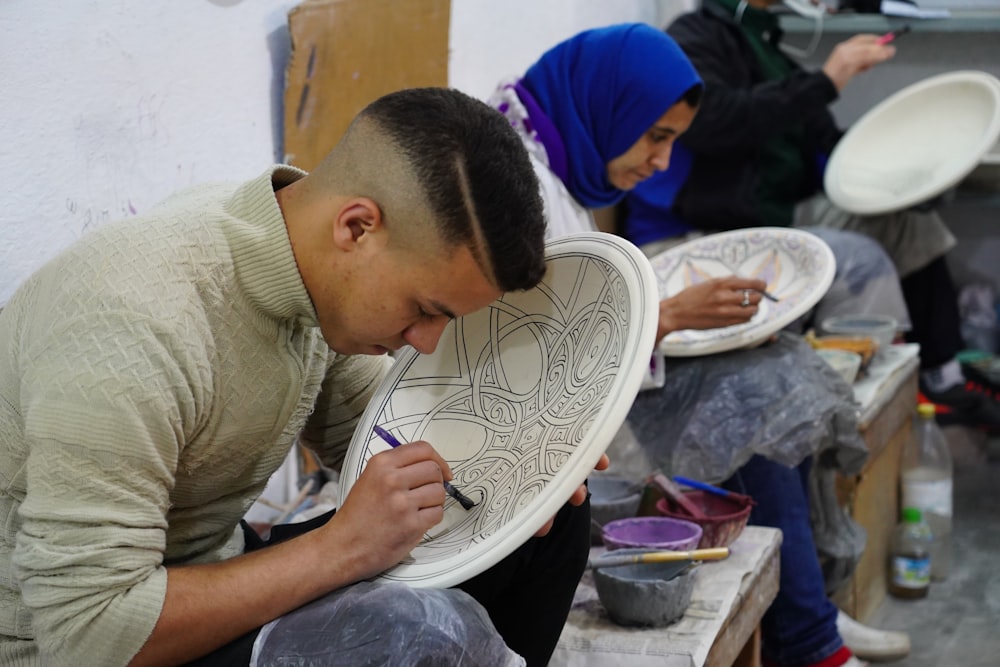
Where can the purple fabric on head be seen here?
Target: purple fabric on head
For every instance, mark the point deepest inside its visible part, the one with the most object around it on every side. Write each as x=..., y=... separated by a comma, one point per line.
x=545, y=132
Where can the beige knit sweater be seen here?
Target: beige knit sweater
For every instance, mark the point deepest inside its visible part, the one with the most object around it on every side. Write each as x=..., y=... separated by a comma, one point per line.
x=152, y=377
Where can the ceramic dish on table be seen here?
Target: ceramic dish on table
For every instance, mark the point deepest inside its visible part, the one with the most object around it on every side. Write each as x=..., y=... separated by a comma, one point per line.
x=651, y=532
x=798, y=268
x=915, y=144
x=521, y=398
x=611, y=498
x=649, y=594
x=724, y=517
x=880, y=328
x=846, y=363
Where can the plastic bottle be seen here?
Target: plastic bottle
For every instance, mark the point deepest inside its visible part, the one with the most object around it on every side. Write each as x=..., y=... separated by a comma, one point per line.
x=911, y=560
x=926, y=475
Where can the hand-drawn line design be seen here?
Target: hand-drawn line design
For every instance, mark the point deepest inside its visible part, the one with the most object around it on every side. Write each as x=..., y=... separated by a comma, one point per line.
x=797, y=267
x=521, y=398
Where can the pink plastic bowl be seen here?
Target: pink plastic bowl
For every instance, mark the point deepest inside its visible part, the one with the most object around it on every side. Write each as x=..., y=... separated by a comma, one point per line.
x=651, y=532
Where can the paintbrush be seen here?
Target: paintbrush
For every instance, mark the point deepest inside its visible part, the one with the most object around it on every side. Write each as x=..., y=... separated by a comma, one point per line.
x=612, y=559
x=767, y=295
x=462, y=499
x=695, y=484
x=764, y=293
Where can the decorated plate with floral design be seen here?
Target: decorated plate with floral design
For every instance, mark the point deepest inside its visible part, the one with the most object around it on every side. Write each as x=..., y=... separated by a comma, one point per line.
x=797, y=266
x=521, y=398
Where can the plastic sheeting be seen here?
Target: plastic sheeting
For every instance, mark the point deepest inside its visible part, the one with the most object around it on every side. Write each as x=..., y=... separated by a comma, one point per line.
x=370, y=624
x=865, y=282
x=779, y=400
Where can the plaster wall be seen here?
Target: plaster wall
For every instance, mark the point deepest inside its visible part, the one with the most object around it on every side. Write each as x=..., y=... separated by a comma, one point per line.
x=493, y=41
x=109, y=106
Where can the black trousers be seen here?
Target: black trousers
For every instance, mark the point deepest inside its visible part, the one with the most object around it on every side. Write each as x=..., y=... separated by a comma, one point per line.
x=527, y=594
x=932, y=301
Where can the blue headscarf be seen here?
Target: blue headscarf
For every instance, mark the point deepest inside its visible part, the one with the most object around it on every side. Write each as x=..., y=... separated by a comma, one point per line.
x=602, y=90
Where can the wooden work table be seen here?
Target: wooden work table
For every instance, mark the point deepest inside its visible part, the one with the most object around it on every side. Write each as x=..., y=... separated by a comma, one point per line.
x=721, y=626
x=887, y=400
x=719, y=629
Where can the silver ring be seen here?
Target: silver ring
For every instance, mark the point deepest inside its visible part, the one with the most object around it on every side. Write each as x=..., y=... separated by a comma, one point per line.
x=746, y=298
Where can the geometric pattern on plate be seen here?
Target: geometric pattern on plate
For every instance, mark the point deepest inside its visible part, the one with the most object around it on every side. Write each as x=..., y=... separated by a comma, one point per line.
x=521, y=398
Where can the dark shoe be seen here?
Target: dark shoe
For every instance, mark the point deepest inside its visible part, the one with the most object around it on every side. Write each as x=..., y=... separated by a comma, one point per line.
x=970, y=404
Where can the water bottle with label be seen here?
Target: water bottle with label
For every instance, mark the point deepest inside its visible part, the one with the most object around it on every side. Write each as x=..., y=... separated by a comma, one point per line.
x=926, y=475
x=910, y=563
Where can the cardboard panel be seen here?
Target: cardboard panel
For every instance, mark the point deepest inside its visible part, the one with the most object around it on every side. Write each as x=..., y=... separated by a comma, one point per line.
x=346, y=53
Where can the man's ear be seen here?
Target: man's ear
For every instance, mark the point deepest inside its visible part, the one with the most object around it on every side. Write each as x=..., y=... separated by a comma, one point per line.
x=356, y=218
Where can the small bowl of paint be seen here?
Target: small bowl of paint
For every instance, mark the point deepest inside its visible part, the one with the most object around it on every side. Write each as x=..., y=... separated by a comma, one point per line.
x=651, y=532
x=611, y=498
x=724, y=520
x=645, y=594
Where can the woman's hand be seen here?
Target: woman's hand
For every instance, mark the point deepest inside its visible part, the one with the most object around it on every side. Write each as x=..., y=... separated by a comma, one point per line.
x=577, y=498
x=714, y=303
x=853, y=56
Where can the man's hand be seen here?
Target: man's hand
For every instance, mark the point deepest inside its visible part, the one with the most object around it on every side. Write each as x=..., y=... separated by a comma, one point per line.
x=397, y=498
x=577, y=498
x=853, y=56
x=709, y=305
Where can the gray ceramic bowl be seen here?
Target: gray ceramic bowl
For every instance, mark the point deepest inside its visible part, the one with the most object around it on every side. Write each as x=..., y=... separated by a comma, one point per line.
x=649, y=594
x=611, y=498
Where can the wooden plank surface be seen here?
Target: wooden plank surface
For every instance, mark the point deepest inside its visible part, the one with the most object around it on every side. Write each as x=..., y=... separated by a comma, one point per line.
x=872, y=499
x=738, y=642
x=347, y=53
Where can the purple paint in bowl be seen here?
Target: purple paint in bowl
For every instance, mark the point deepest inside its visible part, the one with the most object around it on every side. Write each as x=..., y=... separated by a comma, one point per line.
x=651, y=532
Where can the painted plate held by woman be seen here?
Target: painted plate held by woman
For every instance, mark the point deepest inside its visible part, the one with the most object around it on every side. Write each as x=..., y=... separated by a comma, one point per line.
x=797, y=266
x=521, y=398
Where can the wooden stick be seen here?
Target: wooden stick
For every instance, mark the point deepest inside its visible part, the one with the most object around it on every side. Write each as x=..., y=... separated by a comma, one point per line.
x=613, y=559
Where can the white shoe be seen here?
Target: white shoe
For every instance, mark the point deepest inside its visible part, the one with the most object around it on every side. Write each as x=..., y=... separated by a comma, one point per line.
x=854, y=662
x=872, y=644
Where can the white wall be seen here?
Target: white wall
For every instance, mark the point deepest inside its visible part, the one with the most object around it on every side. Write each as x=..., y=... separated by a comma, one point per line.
x=494, y=40
x=110, y=105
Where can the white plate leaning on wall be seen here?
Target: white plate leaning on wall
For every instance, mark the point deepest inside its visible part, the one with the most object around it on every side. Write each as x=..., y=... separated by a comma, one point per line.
x=798, y=268
x=915, y=144
x=521, y=398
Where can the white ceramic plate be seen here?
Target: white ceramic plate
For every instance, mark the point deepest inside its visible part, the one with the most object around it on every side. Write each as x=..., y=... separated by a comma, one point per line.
x=797, y=266
x=915, y=144
x=521, y=398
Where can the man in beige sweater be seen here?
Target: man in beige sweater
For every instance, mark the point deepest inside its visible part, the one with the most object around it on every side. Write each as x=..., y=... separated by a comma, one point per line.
x=155, y=374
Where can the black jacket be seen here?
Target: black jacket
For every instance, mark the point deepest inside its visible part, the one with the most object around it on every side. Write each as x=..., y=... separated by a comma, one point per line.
x=740, y=112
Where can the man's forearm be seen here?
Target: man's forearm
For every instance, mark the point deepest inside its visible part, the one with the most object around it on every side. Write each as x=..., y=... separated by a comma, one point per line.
x=207, y=606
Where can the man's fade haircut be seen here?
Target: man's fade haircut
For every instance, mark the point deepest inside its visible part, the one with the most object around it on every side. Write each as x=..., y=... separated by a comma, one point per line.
x=476, y=176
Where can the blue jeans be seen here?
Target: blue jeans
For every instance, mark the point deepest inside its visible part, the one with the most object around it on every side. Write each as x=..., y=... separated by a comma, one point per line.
x=800, y=627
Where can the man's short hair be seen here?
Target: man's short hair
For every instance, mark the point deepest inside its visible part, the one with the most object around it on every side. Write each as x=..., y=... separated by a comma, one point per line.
x=476, y=176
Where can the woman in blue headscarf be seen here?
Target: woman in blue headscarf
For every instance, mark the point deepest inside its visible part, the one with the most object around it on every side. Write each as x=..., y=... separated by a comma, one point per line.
x=599, y=113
